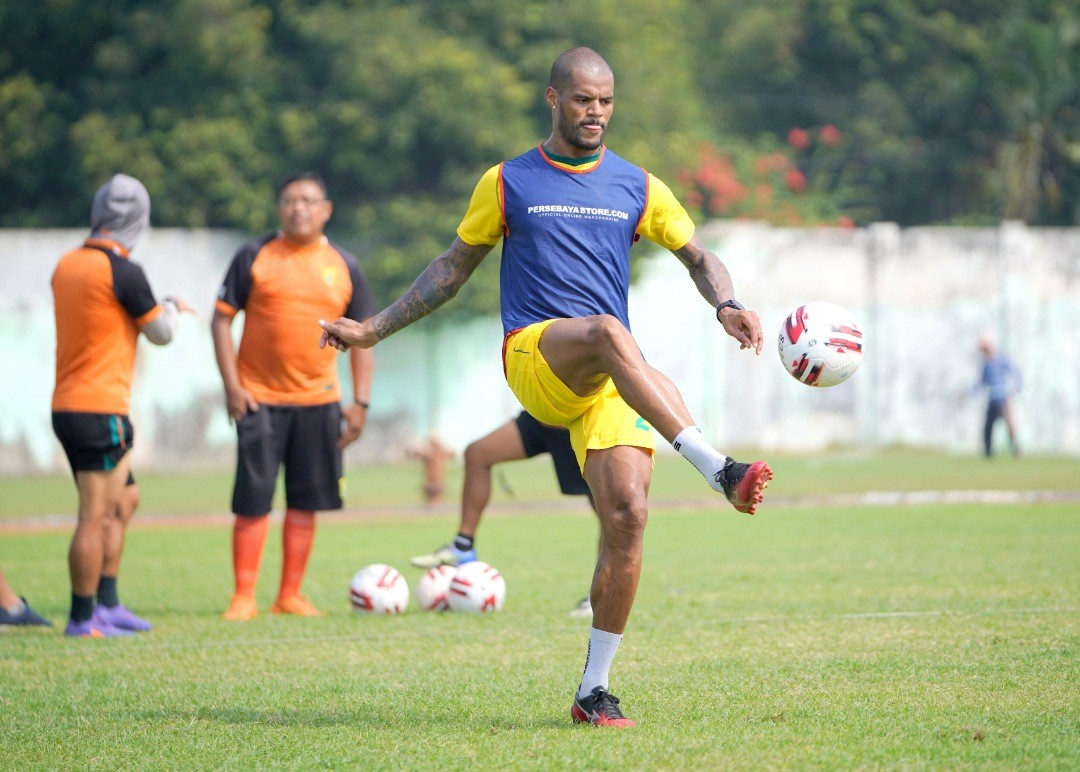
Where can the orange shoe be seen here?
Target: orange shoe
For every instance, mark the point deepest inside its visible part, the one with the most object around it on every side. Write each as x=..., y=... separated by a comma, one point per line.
x=241, y=609
x=295, y=604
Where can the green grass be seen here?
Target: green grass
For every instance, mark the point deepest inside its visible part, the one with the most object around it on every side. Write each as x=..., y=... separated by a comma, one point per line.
x=533, y=481
x=822, y=637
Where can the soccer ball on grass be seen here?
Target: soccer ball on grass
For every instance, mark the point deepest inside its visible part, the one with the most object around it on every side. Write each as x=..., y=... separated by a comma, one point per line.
x=433, y=589
x=476, y=588
x=379, y=589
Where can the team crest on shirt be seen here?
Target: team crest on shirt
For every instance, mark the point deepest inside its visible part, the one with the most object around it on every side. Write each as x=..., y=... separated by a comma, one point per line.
x=329, y=275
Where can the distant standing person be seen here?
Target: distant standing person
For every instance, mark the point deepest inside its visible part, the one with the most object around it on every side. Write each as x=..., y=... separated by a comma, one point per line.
x=103, y=301
x=1002, y=380
x=519, y=438
x=15, y=611
x=568, y=212
x=282, y=392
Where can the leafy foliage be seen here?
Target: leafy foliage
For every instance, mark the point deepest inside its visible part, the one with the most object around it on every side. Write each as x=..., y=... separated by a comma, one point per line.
x=915, y=111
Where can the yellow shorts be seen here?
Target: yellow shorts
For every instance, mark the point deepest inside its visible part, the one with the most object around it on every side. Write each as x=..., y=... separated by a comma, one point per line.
x=598, y=421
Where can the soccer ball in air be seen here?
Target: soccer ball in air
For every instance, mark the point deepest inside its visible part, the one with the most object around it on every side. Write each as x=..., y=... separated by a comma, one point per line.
x=820, y=344
x=433, y=589
x=379, y=589
x=476, y=588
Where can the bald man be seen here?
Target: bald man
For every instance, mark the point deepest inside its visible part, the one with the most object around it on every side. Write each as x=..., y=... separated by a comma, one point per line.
x=568, y=212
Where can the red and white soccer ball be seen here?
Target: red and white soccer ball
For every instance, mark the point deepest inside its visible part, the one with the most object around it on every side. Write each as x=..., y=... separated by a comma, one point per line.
x=476, y=588
x=433, y=589
x=379, y=589
x=821, y=344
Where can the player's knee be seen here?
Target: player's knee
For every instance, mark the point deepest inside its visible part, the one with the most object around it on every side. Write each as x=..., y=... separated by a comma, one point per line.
x=129, y=503
x=626, y=522
x=472, y=454
x=607, y=332
x=95, y=513
x=476, y=456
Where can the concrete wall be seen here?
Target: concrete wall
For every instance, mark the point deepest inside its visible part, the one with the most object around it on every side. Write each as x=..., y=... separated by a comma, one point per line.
x=923, y=296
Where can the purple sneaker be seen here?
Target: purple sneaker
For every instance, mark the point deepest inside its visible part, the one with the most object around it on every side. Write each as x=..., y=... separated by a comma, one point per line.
x=120, y=616
x=94, y=627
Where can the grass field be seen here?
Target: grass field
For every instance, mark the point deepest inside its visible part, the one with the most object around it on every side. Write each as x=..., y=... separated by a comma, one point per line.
x=812, y=635
x=532, y=482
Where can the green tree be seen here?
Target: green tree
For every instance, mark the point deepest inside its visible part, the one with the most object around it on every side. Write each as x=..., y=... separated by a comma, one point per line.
x=918, y=111
x=1036, y=87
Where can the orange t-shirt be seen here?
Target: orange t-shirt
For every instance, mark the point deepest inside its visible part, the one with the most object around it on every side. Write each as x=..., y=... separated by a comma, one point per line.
x=101, y=298
x=284, y=289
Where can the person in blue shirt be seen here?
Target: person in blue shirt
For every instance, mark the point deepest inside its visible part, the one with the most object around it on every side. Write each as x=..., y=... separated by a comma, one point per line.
x=1001, y=378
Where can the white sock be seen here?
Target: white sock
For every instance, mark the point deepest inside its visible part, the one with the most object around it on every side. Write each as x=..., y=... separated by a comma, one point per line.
x=705, y=458
x=602, y=648
x=17, y=608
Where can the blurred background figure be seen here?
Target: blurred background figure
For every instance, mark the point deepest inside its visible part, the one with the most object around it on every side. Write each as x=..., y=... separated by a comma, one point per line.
x=103, y=301
x=15, y=611
x=519, y=438
x=434, y=456
x=1001, y=378
x=282, y=391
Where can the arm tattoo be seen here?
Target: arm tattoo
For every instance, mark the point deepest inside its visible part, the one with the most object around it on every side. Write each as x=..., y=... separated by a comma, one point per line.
x=709, y=274
x=439, y=282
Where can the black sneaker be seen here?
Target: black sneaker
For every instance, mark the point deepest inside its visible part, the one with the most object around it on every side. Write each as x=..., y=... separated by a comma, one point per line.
x=23, y=617
x=600, y=708
x=744, y=484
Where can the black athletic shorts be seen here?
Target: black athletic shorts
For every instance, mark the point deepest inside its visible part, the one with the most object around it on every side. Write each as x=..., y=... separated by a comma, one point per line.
x=94, y=442
x=304, y=439
x=541, y=438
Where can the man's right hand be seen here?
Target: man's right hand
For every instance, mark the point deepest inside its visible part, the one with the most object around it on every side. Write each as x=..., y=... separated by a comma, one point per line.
x=345, y=333
x=239, y=402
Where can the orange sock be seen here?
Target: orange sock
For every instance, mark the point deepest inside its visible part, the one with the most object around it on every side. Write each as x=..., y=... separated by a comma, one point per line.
x=297, y=536
x=249, y=536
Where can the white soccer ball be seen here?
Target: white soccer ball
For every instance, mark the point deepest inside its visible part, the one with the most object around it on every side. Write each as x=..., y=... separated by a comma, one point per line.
x=820, y=344
x=476, y=588
x=433, y=588
x=379, y=589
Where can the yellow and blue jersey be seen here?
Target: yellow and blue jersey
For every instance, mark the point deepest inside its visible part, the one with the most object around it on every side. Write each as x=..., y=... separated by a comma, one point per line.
x=568, y=231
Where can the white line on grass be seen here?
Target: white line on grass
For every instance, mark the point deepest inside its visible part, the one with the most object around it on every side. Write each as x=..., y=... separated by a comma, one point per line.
x=93, y=649
x=867, y=499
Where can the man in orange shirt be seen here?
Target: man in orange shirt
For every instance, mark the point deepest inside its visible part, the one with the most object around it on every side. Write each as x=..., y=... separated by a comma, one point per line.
x=103, y=301
x=282, y=392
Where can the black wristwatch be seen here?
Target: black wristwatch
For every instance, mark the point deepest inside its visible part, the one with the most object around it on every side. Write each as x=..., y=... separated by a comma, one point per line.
x=733, y=303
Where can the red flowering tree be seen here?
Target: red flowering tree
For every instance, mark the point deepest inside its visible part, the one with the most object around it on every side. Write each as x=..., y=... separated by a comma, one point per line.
x=792, y=184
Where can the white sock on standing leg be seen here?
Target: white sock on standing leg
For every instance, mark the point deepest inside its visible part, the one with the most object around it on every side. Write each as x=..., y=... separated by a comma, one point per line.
x=602, y=648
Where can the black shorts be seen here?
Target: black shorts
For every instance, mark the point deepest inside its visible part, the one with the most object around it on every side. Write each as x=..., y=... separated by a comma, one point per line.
x=94, y=442
x=304, y=439
x=541, y=438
